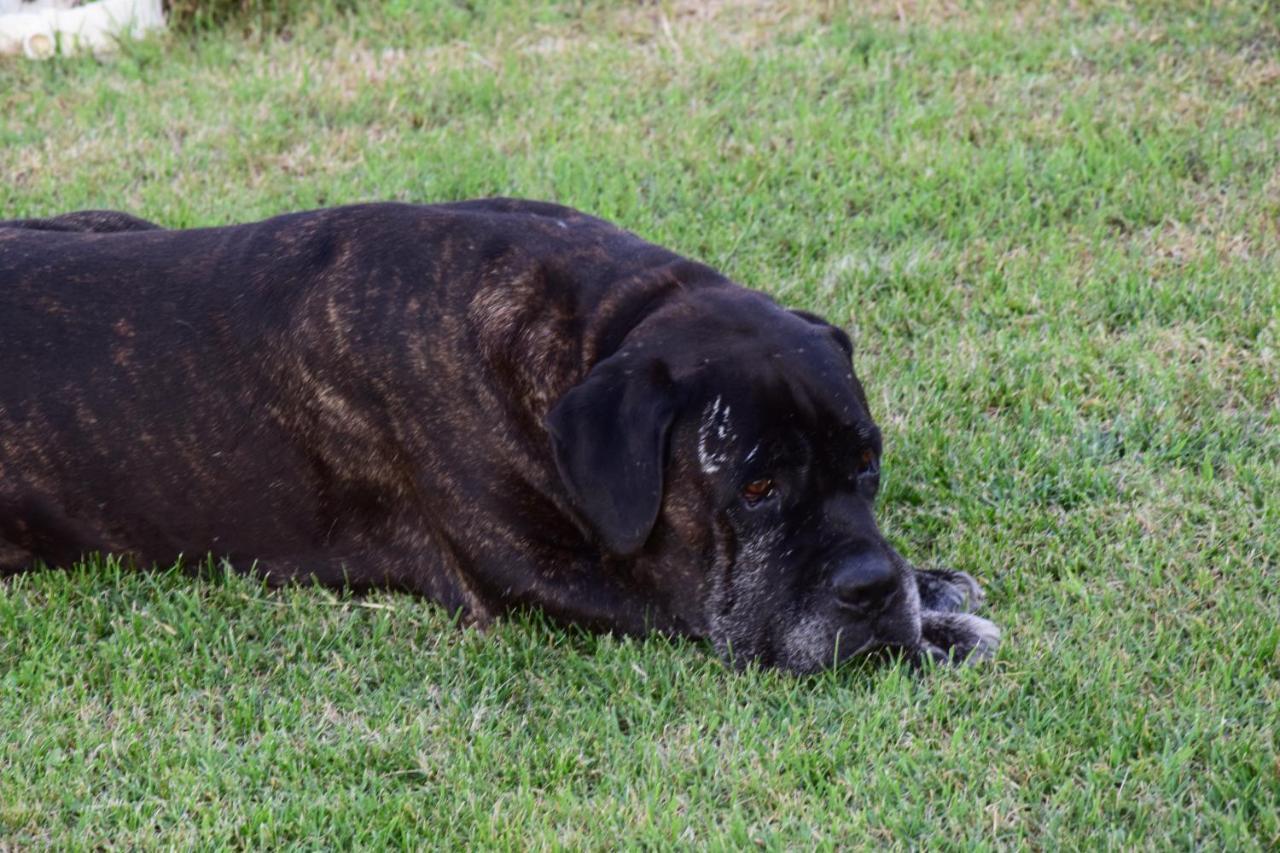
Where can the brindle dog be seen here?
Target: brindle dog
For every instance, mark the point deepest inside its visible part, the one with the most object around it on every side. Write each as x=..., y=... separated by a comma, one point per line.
x=492, y=403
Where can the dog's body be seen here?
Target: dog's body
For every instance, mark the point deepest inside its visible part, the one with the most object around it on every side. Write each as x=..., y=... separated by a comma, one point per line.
x=494, y=404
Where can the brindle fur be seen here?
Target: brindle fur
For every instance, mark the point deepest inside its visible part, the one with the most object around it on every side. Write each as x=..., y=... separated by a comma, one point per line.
x=388, y=395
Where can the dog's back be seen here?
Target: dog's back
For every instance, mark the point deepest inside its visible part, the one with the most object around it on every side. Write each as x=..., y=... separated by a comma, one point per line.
x=228, y=389
x=87, y=221
x=107, y=381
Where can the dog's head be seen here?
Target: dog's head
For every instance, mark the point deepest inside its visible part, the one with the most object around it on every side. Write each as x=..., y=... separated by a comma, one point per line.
x=732, y=435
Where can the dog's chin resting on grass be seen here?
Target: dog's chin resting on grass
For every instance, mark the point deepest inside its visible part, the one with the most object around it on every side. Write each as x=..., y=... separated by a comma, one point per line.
x=495, y=404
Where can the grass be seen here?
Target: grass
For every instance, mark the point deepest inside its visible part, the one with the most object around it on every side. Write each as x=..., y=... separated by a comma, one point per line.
x=273, y=16
x=1053, y=233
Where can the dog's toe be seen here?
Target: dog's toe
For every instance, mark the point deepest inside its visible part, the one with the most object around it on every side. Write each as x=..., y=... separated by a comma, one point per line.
x=958, y=637
x=972, y=594
x=949, y=592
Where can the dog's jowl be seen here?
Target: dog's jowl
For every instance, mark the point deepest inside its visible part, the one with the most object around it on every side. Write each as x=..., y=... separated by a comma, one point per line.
x=493, y=404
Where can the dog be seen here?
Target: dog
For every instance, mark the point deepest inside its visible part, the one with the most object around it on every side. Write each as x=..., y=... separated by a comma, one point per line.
x=496, y=404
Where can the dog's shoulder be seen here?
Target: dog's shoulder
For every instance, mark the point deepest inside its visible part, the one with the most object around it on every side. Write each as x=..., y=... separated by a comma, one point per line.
x=539, y=229
x=505, y=206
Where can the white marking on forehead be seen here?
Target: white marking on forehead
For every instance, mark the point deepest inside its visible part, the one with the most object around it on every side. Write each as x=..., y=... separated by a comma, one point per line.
x=714, y=433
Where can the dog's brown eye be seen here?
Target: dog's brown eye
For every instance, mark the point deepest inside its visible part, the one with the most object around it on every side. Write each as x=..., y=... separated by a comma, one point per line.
x=867, y=462
x=757, y=490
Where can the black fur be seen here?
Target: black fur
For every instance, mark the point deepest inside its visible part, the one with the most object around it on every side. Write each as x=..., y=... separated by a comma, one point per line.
x=495, y=404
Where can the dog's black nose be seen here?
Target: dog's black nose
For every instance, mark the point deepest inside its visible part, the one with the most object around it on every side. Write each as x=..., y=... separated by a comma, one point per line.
x=864, y=580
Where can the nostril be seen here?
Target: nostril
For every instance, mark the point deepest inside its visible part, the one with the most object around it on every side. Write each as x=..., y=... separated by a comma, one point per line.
x=865, y=580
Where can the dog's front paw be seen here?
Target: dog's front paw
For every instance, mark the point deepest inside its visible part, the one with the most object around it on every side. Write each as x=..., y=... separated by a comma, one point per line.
x=948, y=592
x=957, y=637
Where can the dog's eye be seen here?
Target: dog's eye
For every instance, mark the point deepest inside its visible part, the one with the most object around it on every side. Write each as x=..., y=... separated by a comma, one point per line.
x=758, y=490
x=867, y=463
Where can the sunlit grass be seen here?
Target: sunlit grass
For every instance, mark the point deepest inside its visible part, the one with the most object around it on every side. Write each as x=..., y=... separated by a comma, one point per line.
x=1053, y=235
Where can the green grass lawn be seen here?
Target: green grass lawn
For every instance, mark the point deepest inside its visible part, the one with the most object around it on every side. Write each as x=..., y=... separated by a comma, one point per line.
x=1055, y=237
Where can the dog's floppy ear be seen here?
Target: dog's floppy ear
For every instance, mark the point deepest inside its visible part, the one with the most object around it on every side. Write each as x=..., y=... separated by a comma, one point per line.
x=609, y=437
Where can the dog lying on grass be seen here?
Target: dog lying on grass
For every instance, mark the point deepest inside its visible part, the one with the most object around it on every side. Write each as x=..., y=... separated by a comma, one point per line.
x=493, y=404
